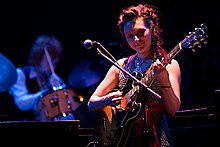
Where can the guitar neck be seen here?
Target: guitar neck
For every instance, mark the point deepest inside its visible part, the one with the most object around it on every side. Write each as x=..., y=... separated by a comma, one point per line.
x=172, y=53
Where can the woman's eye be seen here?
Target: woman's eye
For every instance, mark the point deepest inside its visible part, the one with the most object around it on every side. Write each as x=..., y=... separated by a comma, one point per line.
x=141, y=33
x=130, y=36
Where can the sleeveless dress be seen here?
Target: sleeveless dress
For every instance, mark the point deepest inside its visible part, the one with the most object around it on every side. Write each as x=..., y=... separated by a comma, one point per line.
x=155, y=132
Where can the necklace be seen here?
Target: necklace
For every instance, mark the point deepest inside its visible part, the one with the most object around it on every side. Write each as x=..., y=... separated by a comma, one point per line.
x=138, y=68
x=139, y=63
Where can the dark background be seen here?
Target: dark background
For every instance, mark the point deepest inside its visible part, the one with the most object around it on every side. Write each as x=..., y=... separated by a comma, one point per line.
x=73, y=22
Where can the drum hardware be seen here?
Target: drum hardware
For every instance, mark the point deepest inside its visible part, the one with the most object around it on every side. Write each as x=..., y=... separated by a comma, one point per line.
x=53, y=101
x=78, y=98
x=69, y=104
x=58, y=105
x=59, y=87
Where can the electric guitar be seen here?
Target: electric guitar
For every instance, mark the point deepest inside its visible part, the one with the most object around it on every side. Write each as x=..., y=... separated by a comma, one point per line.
x=115, y=125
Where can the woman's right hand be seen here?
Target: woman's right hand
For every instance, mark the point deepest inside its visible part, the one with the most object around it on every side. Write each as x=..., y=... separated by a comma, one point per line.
x=114, y=98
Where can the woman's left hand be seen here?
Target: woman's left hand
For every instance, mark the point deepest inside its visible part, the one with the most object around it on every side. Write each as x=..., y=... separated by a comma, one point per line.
x=162, y=74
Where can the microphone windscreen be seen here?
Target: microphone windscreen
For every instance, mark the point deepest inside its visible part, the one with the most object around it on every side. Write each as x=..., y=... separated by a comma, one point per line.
x=88, y=44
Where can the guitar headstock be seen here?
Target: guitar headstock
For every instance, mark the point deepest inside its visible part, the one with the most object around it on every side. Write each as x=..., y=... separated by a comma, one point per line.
x=196, y=39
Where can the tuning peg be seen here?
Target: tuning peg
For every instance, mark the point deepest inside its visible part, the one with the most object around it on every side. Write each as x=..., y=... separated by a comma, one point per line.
x=199, y=45
x=203, y=26
x=205, y=42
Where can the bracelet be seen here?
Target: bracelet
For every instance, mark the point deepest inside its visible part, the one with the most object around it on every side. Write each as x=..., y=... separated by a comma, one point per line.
x=165, y=87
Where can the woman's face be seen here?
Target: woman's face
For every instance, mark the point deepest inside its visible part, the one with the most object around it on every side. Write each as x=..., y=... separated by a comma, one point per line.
x=138, y=36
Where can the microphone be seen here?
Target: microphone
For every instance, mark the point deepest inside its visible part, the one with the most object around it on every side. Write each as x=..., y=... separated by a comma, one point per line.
x=88, y=44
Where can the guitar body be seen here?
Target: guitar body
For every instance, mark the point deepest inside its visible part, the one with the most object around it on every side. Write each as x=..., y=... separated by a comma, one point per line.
x=115, y=132
x=106, y=128
x=114, y=123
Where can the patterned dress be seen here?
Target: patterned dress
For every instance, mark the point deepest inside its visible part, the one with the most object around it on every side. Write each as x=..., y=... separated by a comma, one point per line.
x=151, y=126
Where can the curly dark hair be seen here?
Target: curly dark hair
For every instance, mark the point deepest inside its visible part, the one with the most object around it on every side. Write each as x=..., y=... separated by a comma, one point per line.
x=150, y=16
x=53, y=45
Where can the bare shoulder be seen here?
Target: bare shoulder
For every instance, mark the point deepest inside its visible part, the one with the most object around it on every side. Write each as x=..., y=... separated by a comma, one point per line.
x=174, y=67
x=121, y=61
x=114, y=69
x=173, y=63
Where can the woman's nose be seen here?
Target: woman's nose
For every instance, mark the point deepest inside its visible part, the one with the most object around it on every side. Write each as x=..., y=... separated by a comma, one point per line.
x=136, y=37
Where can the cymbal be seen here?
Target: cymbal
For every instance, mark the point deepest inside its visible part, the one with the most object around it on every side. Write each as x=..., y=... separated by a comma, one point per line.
x=8, y=74
x=85, y=74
